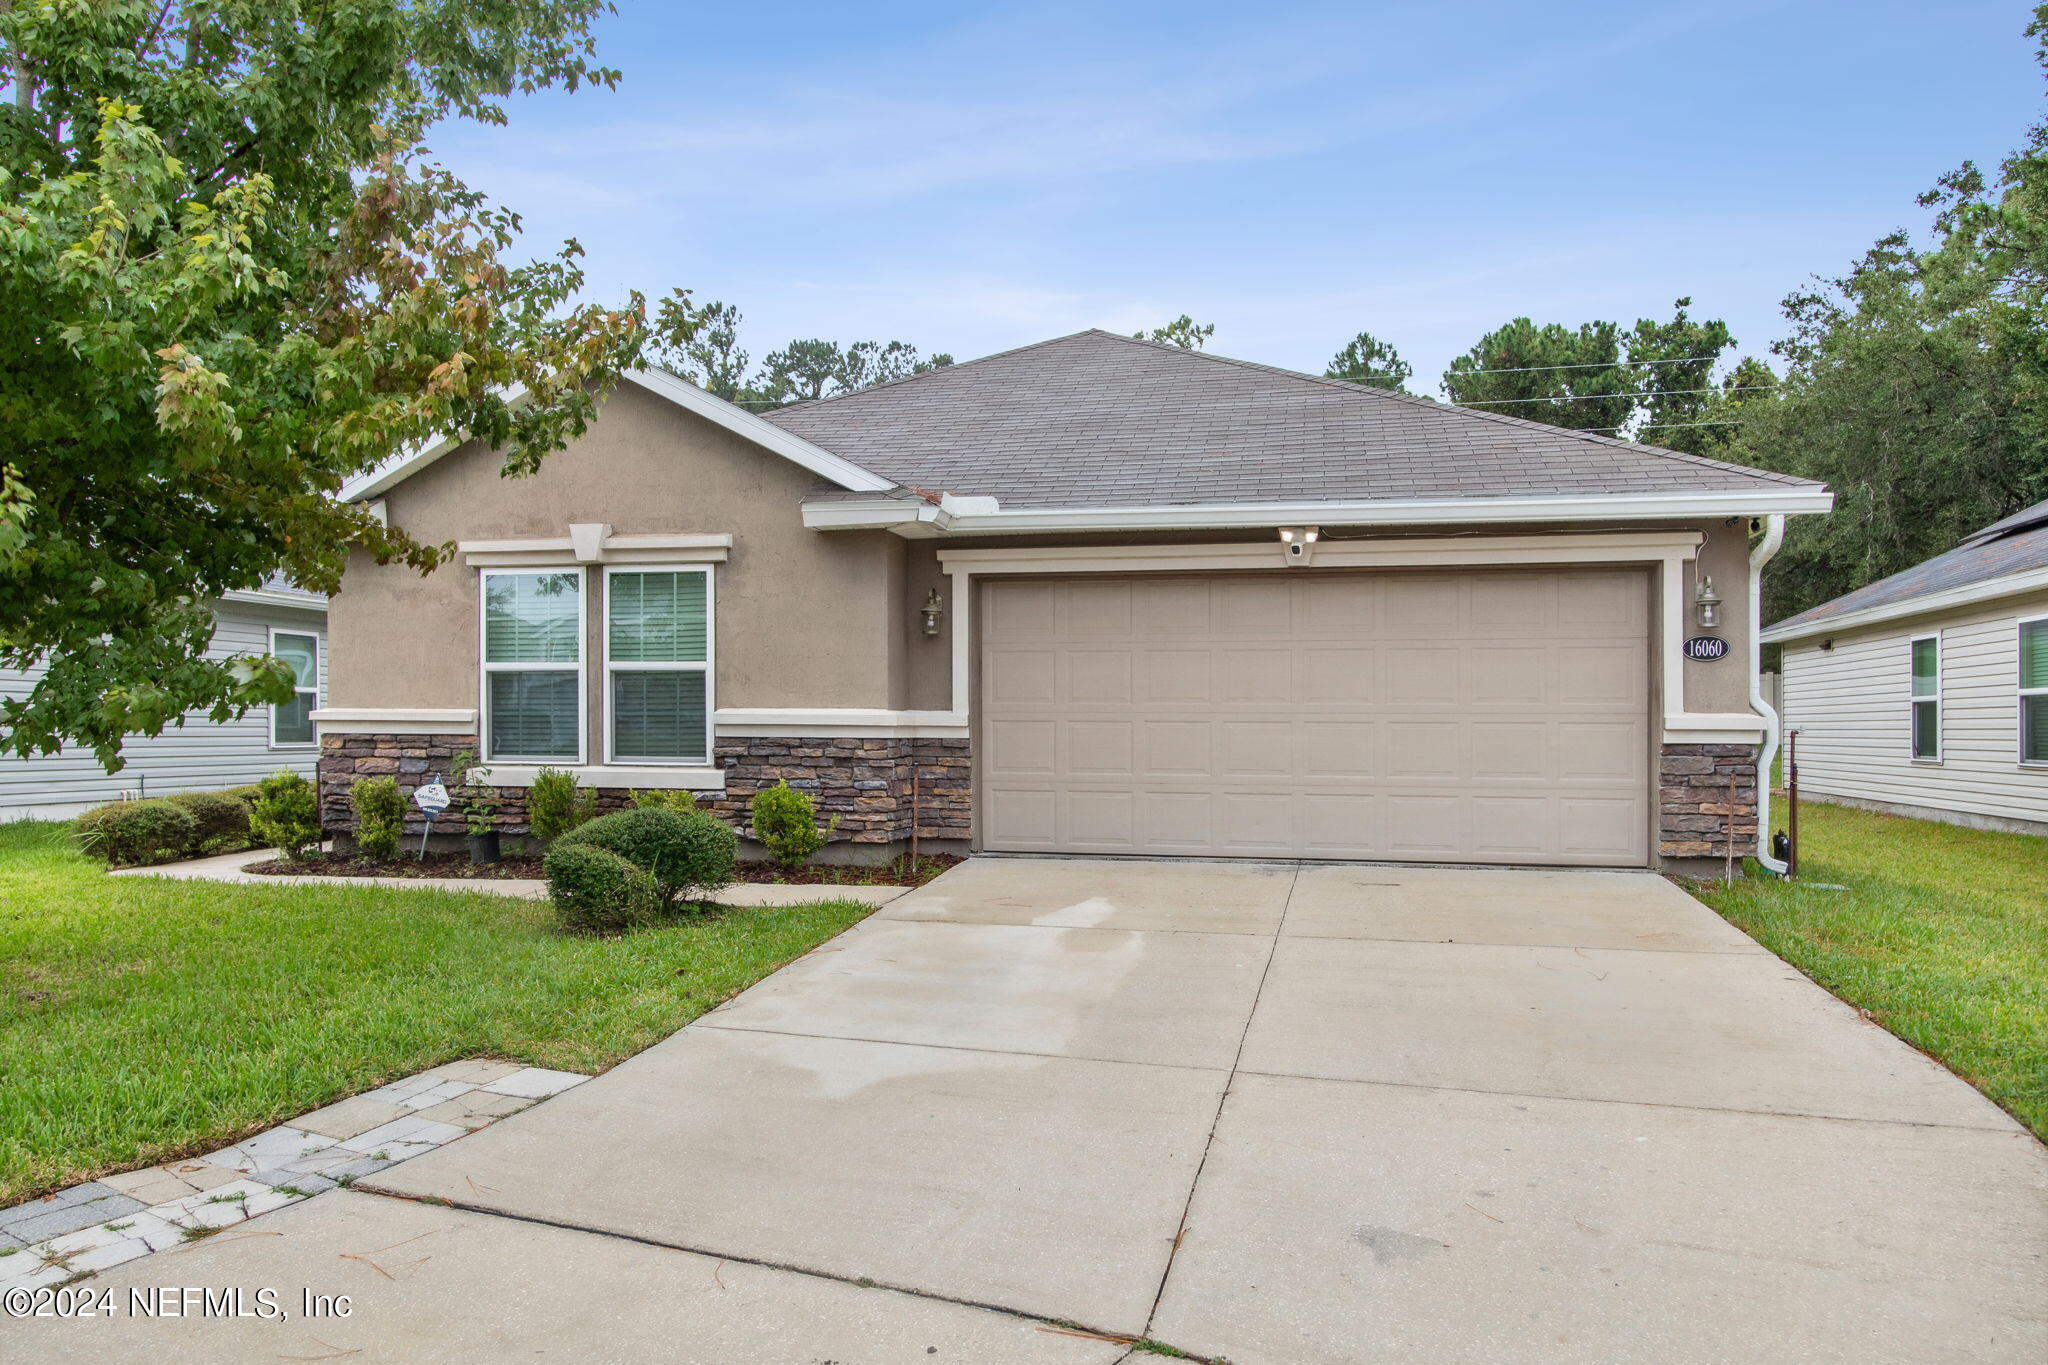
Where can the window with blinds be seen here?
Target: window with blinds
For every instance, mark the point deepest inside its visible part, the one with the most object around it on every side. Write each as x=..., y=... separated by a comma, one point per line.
x=2034, y=691
x=291, y=723
x=533, y=665
x=658, y=665
x=1926, y=697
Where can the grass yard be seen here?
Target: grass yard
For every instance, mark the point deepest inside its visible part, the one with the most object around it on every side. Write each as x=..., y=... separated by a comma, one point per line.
x=1942, y=935
x=143, y=1019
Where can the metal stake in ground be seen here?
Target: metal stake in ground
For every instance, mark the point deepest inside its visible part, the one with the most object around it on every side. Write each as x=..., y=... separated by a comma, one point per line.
x=431, y=798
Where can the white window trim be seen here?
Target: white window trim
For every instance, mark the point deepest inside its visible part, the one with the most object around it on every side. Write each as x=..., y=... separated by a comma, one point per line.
x=485, y=668
x=319, y=647
x=707, y=667
x=1915, y=701
x=2019, y=636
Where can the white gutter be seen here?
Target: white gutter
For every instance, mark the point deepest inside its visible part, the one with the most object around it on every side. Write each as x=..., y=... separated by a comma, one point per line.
x=1759, y=555
x=970, y=516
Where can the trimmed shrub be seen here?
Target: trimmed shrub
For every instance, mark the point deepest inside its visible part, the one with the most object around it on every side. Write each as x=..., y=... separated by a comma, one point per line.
x=131, y=833
x=287, y=813
x=663, y=799
x=555, y=804
x=380, y=816
x=684, y=851
x=595, y=891
x=786, y=823
x=223, y=821
x=246, y=795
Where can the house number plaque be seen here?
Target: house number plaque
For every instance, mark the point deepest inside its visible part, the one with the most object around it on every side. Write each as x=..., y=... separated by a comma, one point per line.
x=1705, y=647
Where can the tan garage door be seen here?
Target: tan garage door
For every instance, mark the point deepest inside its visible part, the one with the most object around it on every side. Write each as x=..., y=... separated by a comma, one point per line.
x=1437, y=716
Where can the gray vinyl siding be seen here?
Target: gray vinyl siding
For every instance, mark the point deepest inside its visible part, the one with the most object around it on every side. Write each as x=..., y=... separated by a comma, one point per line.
x=198, y=756
x=1849, y=704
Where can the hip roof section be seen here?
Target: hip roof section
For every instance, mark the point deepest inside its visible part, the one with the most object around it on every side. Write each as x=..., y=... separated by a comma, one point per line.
x=1100, y=420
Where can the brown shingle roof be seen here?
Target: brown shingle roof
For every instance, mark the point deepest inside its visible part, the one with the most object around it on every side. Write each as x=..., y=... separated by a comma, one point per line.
x=1100, y=420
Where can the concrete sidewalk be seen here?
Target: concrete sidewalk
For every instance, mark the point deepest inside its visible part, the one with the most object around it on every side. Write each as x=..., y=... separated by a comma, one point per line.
x=1270, y=1113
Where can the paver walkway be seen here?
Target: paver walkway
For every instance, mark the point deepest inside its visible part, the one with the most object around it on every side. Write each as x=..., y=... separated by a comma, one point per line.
x=1276, y=1113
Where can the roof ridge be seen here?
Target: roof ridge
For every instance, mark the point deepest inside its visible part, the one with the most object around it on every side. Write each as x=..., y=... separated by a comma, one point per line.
x=1527, y=423
x=813, y=403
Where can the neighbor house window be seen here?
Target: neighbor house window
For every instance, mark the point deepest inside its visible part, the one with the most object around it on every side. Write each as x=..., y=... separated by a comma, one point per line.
x=658, y=665
x=1927, y=697
x=533, y=665
x=2034, y=691
x=291, y=723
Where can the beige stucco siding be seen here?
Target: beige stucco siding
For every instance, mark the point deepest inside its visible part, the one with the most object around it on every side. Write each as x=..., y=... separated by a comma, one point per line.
x=804, y=619
x=1850, y=706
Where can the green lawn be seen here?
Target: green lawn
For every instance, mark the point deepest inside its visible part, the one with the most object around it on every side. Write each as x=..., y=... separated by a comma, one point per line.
x=1942, y=935
x=143, y=1019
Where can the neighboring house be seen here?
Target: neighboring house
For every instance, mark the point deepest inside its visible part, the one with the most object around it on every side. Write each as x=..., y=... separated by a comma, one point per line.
x=1926, y=693
x=1093, y=595
x=199, y=755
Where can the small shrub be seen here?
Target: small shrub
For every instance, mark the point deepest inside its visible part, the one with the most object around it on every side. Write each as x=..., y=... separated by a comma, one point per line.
x=787, y=824
x=246, y=795
x=132, y=833
x=287, y=813
x=663, y=799
x=380, y=815
x=475, y=800
x=223, y=821
x=595, y=891
x=684, y=851
x=555, y=804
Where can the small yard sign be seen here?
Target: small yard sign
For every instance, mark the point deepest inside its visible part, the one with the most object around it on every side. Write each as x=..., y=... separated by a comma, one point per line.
x=431, y=799
x=1705, y=647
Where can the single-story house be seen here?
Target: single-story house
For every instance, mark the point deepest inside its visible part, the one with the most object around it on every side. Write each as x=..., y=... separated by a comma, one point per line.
x=1093, y=595
x=197, y=755
x=1926, y=693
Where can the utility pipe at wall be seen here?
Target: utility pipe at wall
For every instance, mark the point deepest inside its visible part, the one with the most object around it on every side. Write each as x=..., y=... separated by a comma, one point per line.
x=1760, y=555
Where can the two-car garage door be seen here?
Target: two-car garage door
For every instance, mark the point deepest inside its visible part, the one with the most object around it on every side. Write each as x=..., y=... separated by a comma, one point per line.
x=1457, y=716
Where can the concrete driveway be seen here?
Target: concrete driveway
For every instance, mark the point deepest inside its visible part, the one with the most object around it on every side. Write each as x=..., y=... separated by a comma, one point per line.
x=1272, y=1113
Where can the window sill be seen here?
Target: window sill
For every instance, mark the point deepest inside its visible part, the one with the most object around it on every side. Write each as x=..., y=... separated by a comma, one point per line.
x=668, y=777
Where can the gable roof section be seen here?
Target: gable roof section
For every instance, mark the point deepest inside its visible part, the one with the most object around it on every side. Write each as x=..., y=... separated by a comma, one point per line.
x=2004, y=558
x=683, y=394
x=1096, y=420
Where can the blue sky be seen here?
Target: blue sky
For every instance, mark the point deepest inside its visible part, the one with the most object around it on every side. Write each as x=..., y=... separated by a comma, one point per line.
x=970, y=178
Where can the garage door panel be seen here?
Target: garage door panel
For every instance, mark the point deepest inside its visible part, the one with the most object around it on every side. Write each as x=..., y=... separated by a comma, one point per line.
x=1454, y=716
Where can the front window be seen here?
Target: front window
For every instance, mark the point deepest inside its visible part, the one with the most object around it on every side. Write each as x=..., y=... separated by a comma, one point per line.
x=533, y=665
x=291, y=723
x=1927, y=697
x=658, y=665
x=2034, y=691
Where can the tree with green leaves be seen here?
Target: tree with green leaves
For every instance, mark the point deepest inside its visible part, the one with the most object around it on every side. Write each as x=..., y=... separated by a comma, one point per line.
x=1183, y=332
x=1916, y=384
x=232, y=280
x=700, y=343
x=1366, y=359
x=1674, y=365
x=1567, y=377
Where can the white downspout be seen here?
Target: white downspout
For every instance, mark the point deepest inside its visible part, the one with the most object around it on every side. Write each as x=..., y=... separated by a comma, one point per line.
x=1760, y=555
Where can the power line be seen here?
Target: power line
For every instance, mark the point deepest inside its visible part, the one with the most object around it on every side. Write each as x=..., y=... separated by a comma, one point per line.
x=1653, y=426
x=1580, y=397
x=1589, y=365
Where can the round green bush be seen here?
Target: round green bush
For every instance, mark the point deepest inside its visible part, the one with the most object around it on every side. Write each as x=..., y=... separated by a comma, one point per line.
x=131, y=833
x=684, y=851
x=223, y=820
x=287, y=814
x=597, y=892
x=380, y=816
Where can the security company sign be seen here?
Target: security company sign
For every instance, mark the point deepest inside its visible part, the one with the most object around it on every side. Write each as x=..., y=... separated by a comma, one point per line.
x=432, y=799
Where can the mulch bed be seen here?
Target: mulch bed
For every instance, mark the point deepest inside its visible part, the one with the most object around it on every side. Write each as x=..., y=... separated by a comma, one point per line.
x=898, y=873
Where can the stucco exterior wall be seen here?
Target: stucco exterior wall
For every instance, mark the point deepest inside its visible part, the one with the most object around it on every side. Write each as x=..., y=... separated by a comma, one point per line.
x=1850, y=706
x=804, y=619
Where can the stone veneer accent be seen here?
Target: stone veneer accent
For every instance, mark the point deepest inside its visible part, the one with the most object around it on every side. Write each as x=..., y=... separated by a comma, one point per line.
x=867, y=783
x=1693, y=800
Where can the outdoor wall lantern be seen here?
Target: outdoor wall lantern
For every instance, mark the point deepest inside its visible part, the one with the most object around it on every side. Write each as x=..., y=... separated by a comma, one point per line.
x=933, y=610
x=1706, y=603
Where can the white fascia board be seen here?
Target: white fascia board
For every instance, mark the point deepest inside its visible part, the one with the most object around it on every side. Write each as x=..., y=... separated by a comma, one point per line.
x=1991, y=589
x=966, y=517
x=263, y=598
x=683, y=394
